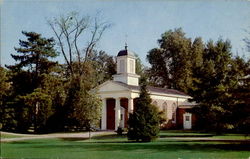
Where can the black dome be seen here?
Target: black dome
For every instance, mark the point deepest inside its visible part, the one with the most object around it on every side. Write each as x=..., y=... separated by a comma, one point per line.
x=125, y=53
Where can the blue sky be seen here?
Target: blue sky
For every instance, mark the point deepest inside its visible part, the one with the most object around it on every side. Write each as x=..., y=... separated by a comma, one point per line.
x=143, y=21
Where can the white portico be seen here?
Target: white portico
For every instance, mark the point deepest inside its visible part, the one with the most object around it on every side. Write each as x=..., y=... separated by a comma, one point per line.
x=118, y=95
x=117, y=98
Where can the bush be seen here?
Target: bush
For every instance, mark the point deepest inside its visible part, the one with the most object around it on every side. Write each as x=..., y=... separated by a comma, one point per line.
x=119, y=131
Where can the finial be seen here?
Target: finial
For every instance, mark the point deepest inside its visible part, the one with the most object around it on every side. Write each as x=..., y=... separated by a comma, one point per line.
x=126, y=45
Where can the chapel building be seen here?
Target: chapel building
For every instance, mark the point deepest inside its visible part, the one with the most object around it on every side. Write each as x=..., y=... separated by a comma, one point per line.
x=118, y=96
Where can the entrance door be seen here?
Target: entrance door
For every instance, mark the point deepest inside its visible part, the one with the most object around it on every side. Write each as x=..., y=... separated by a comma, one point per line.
x=111, y=114
x=187, y=121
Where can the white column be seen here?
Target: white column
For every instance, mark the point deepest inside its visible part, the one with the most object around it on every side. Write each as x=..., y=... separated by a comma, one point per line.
x=130, y=105
x=117, y=112
x=104, y=115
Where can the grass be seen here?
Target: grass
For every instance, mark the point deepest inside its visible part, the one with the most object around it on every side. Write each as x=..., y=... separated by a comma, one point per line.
x=184, y=133
x=112, y=146
x=232, y=137
x=190, y=133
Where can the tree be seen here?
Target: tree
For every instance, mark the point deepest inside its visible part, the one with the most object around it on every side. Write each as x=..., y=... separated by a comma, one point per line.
x=241, y=96
x=33, y=54
x=69, y=30
x=82, y=106
x=144, y=122
x=247, y=41
x=104, y=66
x=216, y=78
x=39, y=104
x=140, y=68
x=7, y=121
x=27, y=78
x=196, y=57
x=171, y=61
x=4, y=85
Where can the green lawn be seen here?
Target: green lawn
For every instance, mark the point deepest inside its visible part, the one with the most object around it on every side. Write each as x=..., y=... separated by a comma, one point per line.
x=113, y=147
x=188, y=133
x=232, y=136
x=184, y=133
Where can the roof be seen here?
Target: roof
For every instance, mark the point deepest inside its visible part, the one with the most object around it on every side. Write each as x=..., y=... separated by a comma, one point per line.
x=187, y=103
x=125, y=52
x=154, y=89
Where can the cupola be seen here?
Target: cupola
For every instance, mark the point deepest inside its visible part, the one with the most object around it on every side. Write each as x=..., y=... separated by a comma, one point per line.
x=126, y=66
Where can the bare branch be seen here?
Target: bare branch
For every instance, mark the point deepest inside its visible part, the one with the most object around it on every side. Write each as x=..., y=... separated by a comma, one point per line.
x=60, y=41
x=69, y=30
x=96, y=36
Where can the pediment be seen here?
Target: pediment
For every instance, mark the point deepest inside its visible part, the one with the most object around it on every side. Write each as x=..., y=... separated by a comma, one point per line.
x=111, y=86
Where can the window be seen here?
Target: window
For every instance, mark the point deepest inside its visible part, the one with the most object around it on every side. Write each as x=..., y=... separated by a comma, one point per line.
x=122, y=68
x=174, y=107
x=187, y=118
x=131, y=63
x=154, y=103
x=165, y=107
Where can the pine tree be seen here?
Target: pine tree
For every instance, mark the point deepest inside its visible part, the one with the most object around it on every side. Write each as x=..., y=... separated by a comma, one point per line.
x=144, y=122
x=215, y=80
x=31, y=102
x=34, y=53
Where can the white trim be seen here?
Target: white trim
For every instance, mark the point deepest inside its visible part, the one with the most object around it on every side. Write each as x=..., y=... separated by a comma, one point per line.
x=164, y=94
x=104, y=114
x=138, y=91
x=117, y=112
x=130, y=105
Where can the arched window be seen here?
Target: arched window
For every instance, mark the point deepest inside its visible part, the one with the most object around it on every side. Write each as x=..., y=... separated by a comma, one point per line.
x=174, y=108
x=165, y=110
x=165, y=107
x=155, y=103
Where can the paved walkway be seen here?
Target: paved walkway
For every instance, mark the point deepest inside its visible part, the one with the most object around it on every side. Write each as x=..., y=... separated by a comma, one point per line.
x=79, y=135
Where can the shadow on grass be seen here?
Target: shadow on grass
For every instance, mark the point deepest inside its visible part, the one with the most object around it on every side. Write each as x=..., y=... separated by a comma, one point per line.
x=110, y=136
x=186, y=135
x=156, y=146
x=74, y=138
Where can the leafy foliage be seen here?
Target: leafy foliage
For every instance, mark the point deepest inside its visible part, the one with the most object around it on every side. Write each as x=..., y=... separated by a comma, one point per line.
x=34, y=53
x=171, y=61
x=7, y=121
x=207, y=72
x=104, y=65
x=215, y=81
x=32, y=100
x=82, y=106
